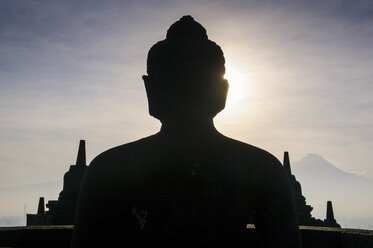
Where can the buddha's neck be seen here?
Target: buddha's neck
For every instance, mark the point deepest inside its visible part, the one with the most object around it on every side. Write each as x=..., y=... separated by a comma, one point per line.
x=188, y=127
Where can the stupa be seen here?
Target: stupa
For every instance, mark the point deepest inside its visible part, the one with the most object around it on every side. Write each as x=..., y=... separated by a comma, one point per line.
x=303, y=210
x=62, y=211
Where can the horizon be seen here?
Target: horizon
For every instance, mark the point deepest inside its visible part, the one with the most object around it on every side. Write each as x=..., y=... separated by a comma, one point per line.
x=346, y=213
x=292, y=164
x=299, y=73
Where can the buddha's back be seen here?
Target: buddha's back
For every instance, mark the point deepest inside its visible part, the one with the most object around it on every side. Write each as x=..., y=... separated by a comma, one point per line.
x=164, y=191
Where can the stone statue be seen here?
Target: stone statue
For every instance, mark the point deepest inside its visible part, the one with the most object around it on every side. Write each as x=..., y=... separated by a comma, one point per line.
x=187, y=185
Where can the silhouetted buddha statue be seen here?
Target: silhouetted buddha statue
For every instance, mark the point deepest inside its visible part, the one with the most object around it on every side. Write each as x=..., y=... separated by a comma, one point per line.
x=188, y=185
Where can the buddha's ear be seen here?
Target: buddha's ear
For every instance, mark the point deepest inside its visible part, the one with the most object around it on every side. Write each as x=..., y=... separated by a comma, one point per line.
x=221, y=95
x=146, y=79
x=148, y=84
x=153, y=96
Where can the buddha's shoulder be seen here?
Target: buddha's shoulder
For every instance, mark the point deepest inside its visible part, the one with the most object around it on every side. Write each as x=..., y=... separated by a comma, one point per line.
x=250, y=155
x=126, y=153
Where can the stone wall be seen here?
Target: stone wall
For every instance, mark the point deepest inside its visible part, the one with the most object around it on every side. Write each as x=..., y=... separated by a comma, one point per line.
x=59, y=236
x=336, y=237
x=36, y=236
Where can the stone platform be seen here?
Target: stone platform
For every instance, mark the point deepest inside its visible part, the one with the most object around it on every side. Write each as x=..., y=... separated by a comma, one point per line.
x=59, y=236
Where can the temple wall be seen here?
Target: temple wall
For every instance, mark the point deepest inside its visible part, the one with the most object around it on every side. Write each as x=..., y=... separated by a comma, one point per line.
x=59, y=236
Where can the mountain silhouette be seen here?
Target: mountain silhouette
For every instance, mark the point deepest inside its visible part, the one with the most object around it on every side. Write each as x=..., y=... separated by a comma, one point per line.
x=351, y=194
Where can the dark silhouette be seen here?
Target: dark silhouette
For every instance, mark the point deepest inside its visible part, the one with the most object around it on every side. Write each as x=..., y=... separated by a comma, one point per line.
x=41, y=208
x=330, y=221
x=188, y=185
x=62, y=211
x=303, y=210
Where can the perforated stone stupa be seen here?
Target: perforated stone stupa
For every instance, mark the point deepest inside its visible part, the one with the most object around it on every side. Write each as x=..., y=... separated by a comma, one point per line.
x=62, y=211
x=303, y=210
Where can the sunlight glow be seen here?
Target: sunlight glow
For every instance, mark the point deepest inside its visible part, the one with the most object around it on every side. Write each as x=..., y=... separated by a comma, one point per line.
x=239, y=86
x=239, y=105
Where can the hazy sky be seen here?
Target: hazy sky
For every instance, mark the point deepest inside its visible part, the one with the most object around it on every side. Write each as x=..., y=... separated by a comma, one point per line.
x=300, y=76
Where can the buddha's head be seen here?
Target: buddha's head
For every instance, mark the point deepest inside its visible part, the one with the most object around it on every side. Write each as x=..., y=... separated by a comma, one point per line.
x=185, y=74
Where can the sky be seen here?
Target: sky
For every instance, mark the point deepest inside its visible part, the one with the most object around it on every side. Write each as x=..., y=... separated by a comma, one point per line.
x=300, y=75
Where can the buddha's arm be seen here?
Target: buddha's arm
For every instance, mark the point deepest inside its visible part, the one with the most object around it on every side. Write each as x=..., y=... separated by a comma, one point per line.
x=102, y=217
x=275, y=216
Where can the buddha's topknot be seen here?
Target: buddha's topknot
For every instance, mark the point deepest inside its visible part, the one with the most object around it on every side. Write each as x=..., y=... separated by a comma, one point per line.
x=186, y=52
x=186, y=28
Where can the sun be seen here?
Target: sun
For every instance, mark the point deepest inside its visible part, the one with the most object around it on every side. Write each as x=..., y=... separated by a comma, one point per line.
x=238, y=85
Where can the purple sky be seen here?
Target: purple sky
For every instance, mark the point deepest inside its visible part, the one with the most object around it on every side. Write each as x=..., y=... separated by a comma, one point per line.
x=300, y=74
